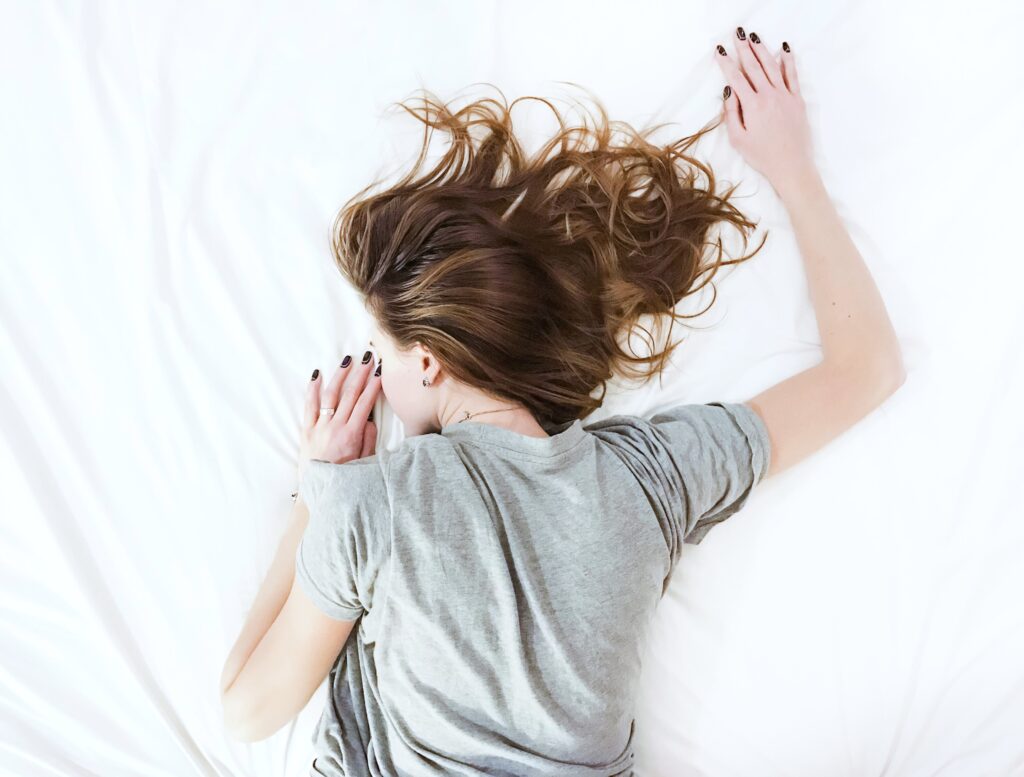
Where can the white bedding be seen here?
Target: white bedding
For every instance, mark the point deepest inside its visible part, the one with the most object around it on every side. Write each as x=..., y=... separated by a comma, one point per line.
x=168, y=173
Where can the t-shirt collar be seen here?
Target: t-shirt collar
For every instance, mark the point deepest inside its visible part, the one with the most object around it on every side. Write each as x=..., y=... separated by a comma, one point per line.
x=552, y=445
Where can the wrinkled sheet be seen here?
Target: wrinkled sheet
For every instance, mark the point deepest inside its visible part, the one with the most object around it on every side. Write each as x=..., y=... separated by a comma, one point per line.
x=169, y=172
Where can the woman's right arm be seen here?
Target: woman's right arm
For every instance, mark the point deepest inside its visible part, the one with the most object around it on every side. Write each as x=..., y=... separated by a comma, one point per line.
x=862, y=363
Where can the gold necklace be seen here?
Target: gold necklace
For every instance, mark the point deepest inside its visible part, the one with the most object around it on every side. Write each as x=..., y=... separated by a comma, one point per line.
x=481, y=412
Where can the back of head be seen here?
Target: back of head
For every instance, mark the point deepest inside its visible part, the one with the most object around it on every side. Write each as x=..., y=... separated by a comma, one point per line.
x=521, y=272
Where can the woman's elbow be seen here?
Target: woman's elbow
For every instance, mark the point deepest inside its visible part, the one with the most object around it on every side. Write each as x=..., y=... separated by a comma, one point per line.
x=239, y=722
x=872, y=379
x=894, y=373
x=886, y=377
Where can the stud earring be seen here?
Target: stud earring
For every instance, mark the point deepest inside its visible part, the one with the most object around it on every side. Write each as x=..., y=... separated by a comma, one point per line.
x=426, y=382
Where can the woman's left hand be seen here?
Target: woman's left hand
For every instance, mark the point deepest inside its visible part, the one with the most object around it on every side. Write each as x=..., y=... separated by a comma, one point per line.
x=346, y=434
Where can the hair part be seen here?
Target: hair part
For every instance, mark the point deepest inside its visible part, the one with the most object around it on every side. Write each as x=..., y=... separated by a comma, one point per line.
x=520, y=272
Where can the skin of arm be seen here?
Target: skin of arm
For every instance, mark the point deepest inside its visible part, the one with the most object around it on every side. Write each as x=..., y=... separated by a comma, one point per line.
x=285, y=650
x=269, y=600
x=862, y=363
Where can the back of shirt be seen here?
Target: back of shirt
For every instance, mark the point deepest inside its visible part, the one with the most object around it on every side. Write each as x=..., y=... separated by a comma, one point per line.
x=507, y=585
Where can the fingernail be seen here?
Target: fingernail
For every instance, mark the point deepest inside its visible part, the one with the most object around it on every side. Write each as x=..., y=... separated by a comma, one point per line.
x=785, y=46
x=726, y=92
x=721, y=49
x=315, y=373
x=754, y=38
x=376, y=372
x=346, y=361
x=740, y=34
x=366, y=357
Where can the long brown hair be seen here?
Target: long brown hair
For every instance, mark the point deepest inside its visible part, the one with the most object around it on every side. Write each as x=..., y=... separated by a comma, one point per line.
x=521, y=272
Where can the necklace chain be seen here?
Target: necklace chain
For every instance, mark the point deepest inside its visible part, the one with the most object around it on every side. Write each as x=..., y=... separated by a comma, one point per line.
x=481, y=412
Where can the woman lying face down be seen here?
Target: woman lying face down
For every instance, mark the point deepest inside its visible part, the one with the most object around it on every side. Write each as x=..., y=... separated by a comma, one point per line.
x=504, y=563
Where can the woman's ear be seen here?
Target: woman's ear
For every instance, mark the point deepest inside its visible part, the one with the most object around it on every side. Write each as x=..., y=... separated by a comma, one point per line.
x=426, y=362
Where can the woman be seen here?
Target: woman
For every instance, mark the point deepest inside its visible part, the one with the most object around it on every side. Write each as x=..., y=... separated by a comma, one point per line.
x=505, y=562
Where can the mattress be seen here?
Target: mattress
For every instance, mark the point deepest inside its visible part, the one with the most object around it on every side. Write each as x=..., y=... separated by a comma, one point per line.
x=170, y=171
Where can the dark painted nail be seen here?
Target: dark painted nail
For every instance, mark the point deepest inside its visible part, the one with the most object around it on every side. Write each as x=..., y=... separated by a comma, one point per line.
x=721, y=49
x=366, y=357
x=726, y=92
x=315, y=373
x=740, y=34
x=376, y=372
x=346, y=361
x=754, y=38
x=785, y=46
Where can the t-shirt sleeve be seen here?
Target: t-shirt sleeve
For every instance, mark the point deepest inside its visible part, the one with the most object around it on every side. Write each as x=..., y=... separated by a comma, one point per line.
x=347, y=540
x=697, y=463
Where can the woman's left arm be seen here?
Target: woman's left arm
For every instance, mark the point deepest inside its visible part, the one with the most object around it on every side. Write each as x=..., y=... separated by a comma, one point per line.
x=285, y=650
x=288, y=645
x=269, y=600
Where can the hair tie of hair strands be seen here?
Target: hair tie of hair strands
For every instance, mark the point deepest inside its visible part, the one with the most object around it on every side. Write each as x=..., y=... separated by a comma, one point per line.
x=524, y=273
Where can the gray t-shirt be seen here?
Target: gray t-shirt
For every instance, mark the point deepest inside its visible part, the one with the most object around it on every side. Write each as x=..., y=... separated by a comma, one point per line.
x=507, y=585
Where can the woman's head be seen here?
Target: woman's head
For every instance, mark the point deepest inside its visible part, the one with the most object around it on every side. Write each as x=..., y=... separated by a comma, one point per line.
x=512, y=276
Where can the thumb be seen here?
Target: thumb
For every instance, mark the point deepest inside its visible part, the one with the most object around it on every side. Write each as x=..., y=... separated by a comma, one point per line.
x=732, y=114
x=369, y=439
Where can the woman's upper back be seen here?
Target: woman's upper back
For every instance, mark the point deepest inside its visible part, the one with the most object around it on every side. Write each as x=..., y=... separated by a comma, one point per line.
x=506, y=585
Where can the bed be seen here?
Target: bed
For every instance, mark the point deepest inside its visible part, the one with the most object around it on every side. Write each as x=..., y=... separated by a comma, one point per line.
x=170, y=171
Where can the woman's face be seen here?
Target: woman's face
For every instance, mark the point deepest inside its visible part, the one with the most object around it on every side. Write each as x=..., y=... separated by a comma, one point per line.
x=401, y=378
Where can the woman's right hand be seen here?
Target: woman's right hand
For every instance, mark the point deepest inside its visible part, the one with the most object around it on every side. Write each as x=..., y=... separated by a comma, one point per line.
x=765, y=113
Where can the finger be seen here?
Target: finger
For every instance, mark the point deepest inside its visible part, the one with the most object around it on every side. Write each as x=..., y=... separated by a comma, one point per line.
x=364, y=404
x=312, y=405
x=748, y=62
x=333, y=390
x=766, y=60
x=733, y=75
x=369, y=440
x=733, y=120
x=352, y=388
x=789, y=69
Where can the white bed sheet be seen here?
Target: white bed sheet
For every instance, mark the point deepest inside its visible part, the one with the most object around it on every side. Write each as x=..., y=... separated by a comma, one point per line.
x=169, y=172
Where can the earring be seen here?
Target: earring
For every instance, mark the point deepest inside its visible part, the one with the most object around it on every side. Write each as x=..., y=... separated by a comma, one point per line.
x=426, y=382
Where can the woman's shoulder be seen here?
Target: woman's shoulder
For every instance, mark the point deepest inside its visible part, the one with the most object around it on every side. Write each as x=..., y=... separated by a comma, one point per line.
x=423, y=451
